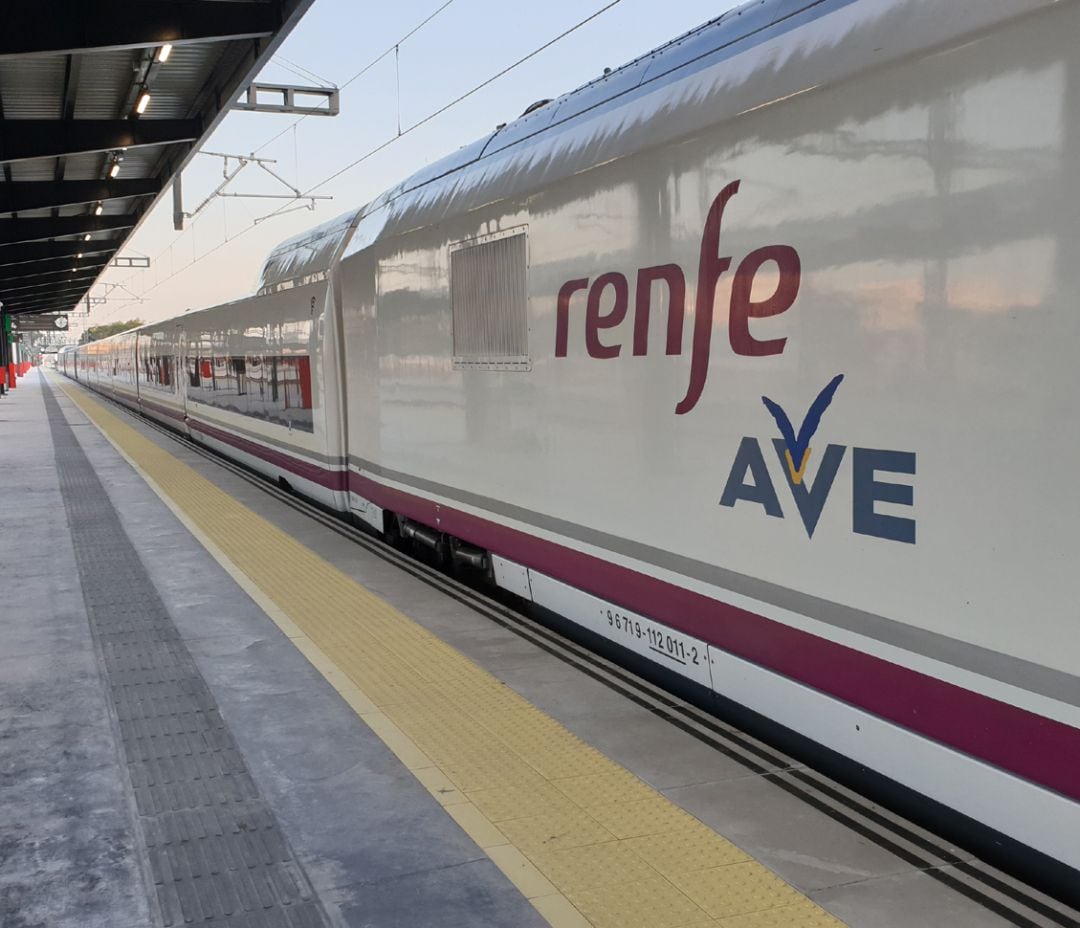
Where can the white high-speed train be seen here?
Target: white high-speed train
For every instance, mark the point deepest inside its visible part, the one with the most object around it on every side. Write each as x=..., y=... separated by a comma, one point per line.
x=756, y=356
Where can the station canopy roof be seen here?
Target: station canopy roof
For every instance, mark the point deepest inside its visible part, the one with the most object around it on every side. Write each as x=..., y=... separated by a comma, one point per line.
x=102, y=102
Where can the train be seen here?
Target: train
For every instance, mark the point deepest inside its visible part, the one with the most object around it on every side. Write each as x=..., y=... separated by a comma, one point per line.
x=752, y=358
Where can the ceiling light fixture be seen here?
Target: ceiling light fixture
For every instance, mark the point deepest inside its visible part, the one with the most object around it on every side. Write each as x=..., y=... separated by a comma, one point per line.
x=144, y=102
x=115, y=169
x=163, y=53
x=99, y=209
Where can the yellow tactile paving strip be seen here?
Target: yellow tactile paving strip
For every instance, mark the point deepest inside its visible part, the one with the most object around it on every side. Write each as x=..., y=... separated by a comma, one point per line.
x=582, y=838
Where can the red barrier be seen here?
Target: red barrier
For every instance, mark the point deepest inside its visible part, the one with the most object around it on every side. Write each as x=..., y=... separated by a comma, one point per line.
x=11, y=376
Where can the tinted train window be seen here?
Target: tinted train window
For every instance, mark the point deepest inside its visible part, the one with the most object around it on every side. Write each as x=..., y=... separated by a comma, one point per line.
x=159, y=371
x=489, y=302
x=268, y=387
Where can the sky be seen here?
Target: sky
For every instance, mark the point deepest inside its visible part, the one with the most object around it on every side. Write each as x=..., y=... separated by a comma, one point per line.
x=218, y=256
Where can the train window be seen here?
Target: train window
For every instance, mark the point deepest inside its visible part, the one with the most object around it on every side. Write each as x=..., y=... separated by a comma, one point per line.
x=159, y=371
x=272, y=388
x=489, y=302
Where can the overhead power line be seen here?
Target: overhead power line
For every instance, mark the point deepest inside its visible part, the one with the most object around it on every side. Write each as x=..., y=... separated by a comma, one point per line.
x=404, y=132
x=300, y=71
x=367, y=67
x=468, y=93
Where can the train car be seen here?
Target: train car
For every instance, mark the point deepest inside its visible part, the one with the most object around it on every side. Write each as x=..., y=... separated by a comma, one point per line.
x=65, y=361
x=140, y=368
x=118, y=372
x=263, y=378
x=161, y=379
x=92, y=362
x=257, y=379
x=108, y=365
x=752, y=357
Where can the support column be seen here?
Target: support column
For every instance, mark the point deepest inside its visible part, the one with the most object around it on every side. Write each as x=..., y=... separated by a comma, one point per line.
x=5, y=325
x=9, y=354
x=13, y=360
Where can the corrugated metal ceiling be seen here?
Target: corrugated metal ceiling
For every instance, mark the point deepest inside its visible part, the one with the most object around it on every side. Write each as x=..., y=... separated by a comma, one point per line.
x=81, y=102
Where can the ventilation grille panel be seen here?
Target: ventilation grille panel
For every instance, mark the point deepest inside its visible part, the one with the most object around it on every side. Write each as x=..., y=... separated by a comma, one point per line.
x=489, y=300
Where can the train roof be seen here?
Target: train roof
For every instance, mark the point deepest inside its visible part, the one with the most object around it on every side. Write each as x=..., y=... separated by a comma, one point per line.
x=307, y=257
x=662, y=94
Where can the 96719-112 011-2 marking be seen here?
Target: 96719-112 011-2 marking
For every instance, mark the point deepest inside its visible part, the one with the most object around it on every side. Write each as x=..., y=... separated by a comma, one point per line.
x=670, y=645
x=682, y=654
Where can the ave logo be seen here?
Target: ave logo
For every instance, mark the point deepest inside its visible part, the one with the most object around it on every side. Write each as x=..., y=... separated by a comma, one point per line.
x=750, y=482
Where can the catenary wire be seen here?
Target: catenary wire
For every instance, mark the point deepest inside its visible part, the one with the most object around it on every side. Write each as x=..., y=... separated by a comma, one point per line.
x=404, y=132
x=367, y=67
x=301, y=71
x=462, y=97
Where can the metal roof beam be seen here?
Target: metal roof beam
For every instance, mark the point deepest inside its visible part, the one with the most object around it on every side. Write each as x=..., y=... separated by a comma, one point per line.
x=22, y=195
x=16, y=276
x=39, y=302
x=72, y=290
x=24, y=299
x=72, y=73
x=25, y=139
x=81, y=278
x=32, y=254
x=55, y=267
x=56, y=294
x=55, y=27
x=18, y=231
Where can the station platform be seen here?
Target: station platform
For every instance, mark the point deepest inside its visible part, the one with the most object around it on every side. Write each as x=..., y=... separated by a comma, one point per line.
x=217, y=710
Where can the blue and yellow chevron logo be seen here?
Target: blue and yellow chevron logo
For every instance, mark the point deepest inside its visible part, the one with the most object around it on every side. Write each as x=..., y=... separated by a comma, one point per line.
x=750, y=484
x=798, y=447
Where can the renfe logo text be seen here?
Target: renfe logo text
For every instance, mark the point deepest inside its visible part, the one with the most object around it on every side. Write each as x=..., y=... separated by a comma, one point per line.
x=710, y=268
